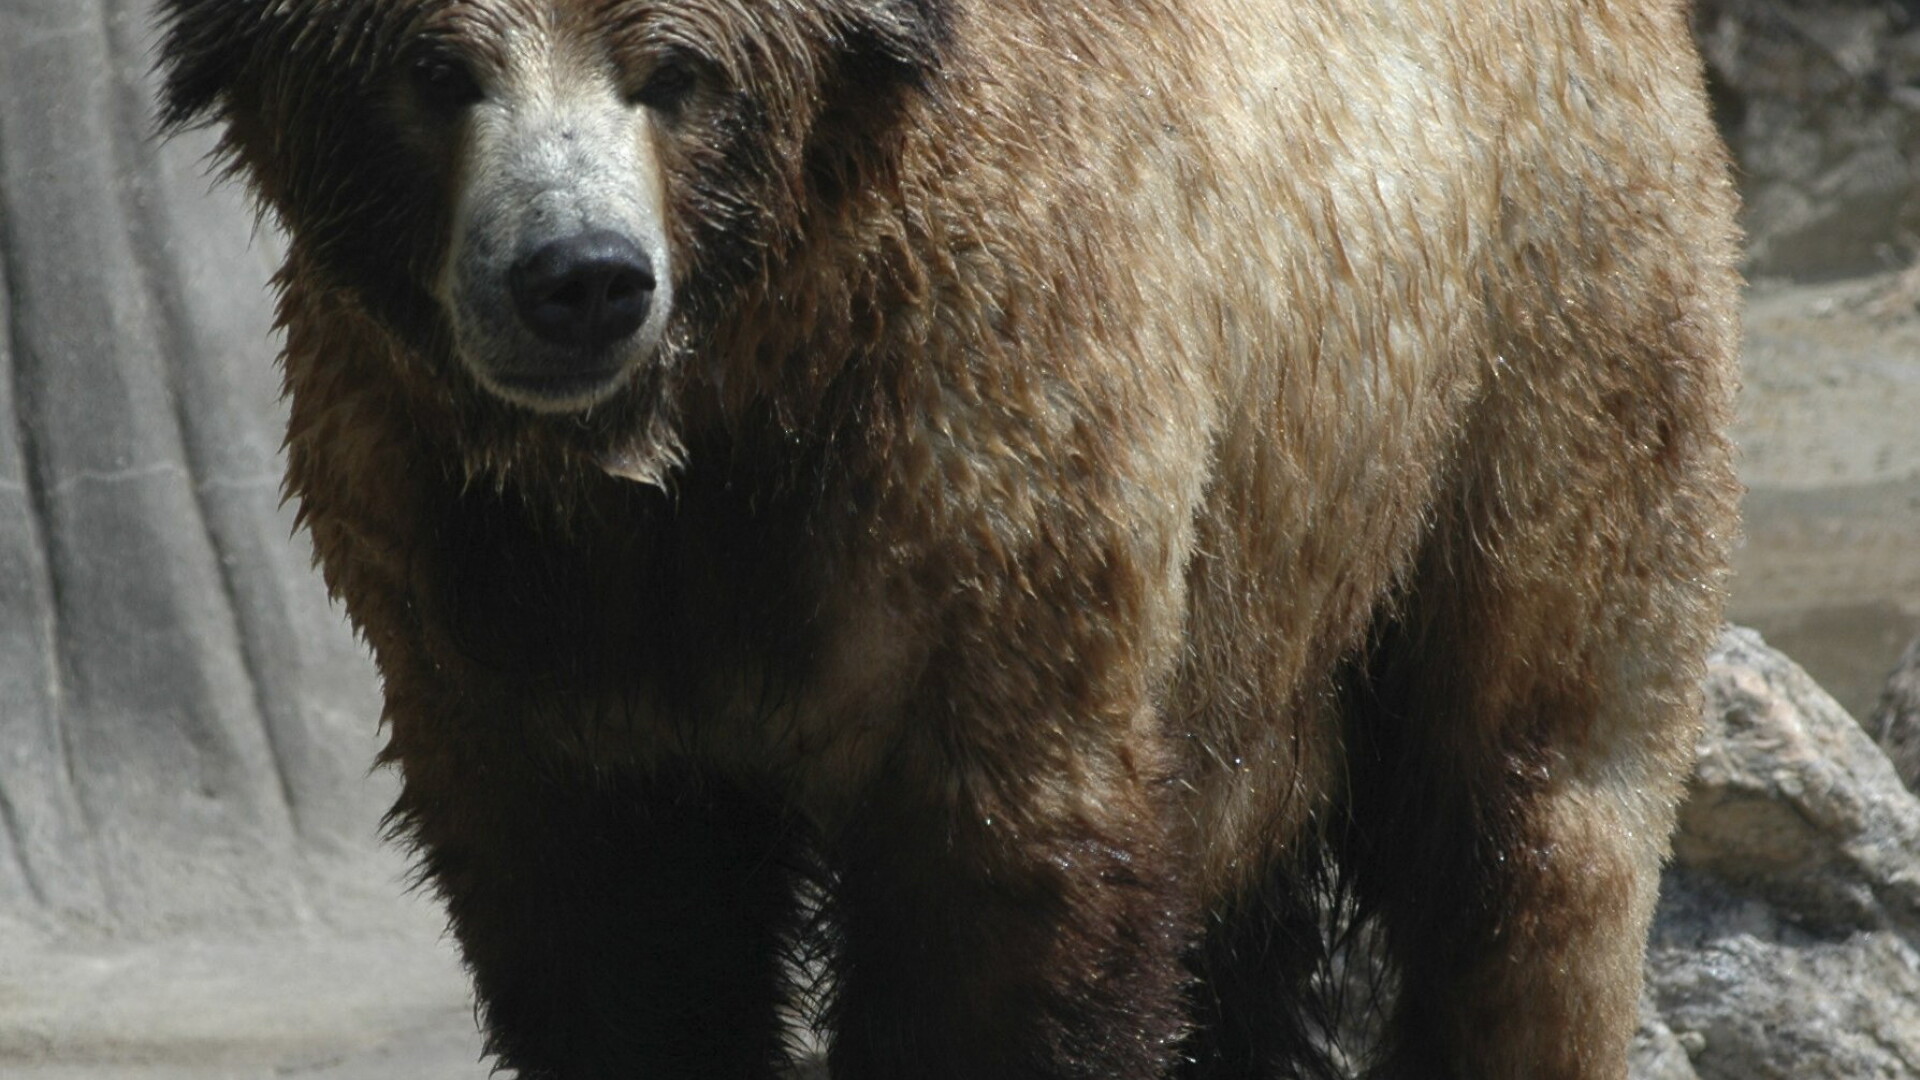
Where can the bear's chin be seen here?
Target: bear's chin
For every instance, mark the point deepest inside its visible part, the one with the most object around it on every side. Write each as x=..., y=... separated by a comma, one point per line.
x=631, y=437
x=552, y=436
x=560, y=392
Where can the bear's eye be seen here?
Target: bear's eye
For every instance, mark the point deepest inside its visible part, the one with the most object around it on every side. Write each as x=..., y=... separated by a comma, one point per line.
x=444, y=83
x=669, y=85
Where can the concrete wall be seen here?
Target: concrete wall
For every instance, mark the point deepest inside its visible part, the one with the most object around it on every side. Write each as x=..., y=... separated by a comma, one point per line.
x=184, y=722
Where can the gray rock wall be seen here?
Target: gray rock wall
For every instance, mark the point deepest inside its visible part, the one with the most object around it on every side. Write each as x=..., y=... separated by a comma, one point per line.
x=183, y=721
x=1820, y=102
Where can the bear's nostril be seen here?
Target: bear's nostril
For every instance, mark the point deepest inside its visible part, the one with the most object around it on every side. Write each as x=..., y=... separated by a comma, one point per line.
x=590, y=289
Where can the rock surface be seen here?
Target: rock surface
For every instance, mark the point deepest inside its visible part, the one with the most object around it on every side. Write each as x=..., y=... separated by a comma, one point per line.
x=186, y=725
x=1787, y=942
x=191, y=877
x=1657, y=1053
x=1829, y=569
x=1895, y=723
x=1820, y=101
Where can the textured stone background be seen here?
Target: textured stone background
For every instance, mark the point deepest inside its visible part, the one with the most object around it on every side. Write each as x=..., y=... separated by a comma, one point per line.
x=190, y=878
x=1820, y=101
x=180, y=706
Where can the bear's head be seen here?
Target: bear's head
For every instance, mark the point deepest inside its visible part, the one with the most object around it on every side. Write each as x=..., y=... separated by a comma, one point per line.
x=560, y=198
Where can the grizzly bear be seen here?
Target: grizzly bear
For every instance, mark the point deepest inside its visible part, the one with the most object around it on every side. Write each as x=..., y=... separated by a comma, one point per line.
x=1068, y=510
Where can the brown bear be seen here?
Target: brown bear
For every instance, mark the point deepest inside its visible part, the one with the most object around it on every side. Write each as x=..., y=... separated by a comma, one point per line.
x=1056, y=506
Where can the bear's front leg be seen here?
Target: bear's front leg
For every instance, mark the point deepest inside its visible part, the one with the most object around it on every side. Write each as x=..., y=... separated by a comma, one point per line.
x=1010, y=926
x=615, y=929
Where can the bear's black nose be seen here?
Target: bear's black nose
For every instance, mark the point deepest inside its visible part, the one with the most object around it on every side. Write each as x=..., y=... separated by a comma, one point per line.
x=589, y=289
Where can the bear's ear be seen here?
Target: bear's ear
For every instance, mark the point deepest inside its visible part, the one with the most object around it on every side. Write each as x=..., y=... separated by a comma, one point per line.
x=204, y=47
x=897, y=44
x=886, y=52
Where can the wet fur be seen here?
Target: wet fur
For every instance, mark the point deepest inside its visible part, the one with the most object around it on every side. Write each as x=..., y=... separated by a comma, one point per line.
x=1096, y=504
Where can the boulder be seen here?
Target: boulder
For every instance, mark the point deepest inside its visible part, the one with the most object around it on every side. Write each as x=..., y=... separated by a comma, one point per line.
x=1895, y=723
x=1657, y=1053
x=1787, y=942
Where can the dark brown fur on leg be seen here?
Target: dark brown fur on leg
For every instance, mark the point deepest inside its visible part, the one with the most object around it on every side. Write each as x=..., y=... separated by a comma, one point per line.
x=988, y=947
x=623, y=930
x=1519, y=748
x=1256, y=1011
x=1428, y=861
x=1513, y=920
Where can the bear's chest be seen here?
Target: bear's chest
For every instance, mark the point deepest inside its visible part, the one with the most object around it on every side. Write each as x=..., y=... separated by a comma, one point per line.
x=727, y=625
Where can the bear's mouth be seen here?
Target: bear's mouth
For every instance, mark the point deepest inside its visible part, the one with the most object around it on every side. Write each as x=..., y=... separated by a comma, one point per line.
x=558, y=388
